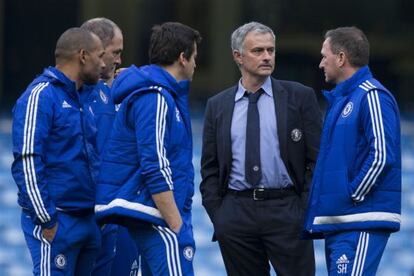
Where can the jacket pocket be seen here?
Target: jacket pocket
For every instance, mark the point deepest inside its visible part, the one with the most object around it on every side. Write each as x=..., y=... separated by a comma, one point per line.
x=335, y=182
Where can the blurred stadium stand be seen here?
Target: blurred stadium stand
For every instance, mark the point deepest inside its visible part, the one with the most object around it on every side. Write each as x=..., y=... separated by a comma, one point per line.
x=15, y=259
x=27, y=43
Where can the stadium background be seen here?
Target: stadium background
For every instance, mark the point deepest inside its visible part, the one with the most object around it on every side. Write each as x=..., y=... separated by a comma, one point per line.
x=29, y=30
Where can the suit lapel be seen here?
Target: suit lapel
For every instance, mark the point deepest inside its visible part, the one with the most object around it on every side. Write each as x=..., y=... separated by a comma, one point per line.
x=280, y=98
x=228, y=108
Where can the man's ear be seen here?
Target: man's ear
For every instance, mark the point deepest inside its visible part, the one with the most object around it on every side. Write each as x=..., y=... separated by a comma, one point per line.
x=237, y=56
x=82, y=56
x=341, y=59
x=182, y=60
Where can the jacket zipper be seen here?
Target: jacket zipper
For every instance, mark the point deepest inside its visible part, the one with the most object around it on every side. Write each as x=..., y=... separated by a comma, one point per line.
x=85, y=147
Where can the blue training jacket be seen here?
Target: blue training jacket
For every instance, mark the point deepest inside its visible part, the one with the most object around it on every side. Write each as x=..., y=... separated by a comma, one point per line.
x=101, y=105
x=357, y=180
x=54, y=147
x=149, y=150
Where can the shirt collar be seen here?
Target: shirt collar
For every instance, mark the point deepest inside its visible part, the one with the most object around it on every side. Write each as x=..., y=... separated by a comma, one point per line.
x=267, y=87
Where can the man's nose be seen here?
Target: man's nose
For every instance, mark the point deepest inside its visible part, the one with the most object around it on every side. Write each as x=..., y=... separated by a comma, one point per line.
x=321, y=65
x=118, y=60
x=267, y=55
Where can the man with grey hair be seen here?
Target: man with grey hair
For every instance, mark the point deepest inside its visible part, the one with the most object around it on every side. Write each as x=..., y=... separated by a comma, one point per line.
x=260, y=143
x=118, y=252
x=112, y=40
x=355, y=199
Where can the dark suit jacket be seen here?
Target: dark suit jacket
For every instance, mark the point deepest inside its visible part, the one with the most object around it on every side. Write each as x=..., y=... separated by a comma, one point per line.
x=296, y=108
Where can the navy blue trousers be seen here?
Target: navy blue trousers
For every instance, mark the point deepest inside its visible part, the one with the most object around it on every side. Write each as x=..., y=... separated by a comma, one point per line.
x=73, y=250
x=354, y=252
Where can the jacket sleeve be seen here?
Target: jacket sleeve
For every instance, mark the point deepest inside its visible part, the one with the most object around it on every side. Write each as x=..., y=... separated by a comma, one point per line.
x=312, y=124
x=32, y=121
x=210, y=187
x=151, y=117
x=312, y=127
x=379, y=119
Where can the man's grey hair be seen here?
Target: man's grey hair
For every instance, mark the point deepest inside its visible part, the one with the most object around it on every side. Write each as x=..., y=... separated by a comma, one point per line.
x=103, y=27
x=238, y=36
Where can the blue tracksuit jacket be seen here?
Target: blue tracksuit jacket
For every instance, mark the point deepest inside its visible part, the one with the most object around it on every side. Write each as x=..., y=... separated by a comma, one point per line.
x=149, y=150
x=357, y=179
x=54, y=147
x=102, y=107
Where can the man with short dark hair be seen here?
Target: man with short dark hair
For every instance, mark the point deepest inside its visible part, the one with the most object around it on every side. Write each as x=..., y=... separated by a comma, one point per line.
x=260, y=143
x=54, y=159
x=146, y=177
x=355, y=198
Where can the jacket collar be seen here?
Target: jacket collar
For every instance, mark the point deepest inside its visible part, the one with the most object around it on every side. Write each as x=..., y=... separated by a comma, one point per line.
x=267, y=87
x=347, y=86
x=135, y=78
x=58, y=77
x=160, y=75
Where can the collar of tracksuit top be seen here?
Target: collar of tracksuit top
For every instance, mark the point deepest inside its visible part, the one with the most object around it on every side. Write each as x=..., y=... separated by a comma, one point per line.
x=134, y=78
x=57, y=77
x=347, y=86
x=146, y=76
x=62, y=80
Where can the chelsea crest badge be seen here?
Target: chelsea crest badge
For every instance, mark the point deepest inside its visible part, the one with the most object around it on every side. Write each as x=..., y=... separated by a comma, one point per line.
x=296, y=135
x=347, y=109
x=60, y=261
x=104, y=98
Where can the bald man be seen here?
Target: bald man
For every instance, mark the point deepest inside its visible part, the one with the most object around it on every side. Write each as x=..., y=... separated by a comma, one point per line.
x=55, y=159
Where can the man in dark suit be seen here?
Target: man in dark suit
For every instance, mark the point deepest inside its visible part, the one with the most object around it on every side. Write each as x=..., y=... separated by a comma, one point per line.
x=260, y=143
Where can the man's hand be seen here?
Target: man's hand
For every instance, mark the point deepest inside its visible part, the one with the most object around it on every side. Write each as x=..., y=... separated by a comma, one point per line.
x=49, y=234
x=166, y=205
x=177, y=228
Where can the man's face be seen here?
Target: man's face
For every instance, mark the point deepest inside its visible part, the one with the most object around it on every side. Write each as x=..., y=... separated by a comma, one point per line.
x=112, y=56
x=329, y=63
x=93, y=63
x=258, y=57
x=190, y=65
